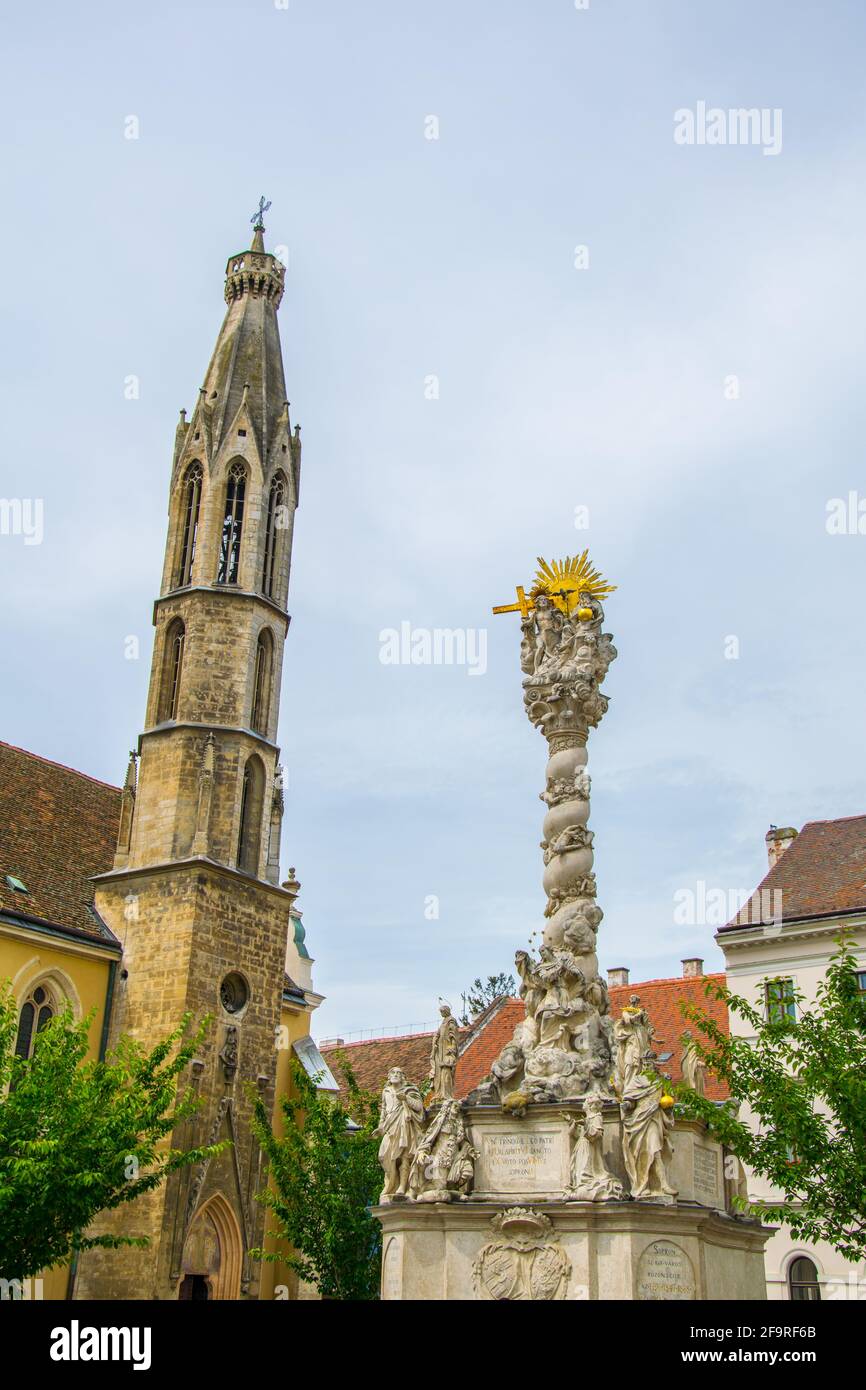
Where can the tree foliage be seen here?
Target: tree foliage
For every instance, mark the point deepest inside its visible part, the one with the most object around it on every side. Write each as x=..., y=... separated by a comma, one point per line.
x=325, y=1176
x=804, y=1080
x=79, y=1137
x=481, y=993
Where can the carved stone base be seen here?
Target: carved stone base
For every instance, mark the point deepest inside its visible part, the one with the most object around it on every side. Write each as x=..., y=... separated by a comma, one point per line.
x=569, y=1251
x=520, y=1236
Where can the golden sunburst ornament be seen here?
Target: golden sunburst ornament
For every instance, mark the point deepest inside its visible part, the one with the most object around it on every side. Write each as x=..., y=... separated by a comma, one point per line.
x=562, y=581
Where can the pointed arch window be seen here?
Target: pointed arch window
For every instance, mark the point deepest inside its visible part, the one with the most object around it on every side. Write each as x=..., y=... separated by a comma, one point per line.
x=190, y=505
x=233, y=523
x=274, y=531
x=250, y=828
x=171, y=671
x=38, y=1008
x=262, y=681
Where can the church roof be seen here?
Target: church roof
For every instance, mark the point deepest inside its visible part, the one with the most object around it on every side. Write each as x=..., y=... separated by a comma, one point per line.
x=57, y=828
x=484, y=1040
x=821, y=874
x=372, y=1060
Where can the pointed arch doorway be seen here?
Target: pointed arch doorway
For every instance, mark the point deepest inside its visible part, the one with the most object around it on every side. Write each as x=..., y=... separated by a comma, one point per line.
x=212, y=1254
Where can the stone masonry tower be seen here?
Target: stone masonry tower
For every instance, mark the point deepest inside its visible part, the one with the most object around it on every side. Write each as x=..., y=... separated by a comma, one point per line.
x=194, y=894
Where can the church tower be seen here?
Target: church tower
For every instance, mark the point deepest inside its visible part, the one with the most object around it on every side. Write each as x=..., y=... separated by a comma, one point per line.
x=194, y=894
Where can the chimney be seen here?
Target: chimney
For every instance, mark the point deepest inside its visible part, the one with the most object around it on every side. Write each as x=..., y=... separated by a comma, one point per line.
x=617, y=977
x=692, y=967
x=332, y=1042
x=778, y=840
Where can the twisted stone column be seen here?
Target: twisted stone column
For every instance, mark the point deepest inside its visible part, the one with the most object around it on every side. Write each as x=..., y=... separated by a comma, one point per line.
x=565, y=657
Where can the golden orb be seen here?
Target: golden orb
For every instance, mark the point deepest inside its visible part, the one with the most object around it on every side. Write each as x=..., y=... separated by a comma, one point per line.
x=666, y=1102
x=584, y=614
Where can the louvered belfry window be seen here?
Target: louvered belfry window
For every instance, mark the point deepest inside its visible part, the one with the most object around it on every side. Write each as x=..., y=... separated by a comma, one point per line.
x=233, y=523
x=275, y=526
x=190, y=506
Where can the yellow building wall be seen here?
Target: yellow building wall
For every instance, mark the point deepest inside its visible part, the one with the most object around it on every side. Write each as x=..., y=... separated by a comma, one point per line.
x=278, y=1281
x=83, y=979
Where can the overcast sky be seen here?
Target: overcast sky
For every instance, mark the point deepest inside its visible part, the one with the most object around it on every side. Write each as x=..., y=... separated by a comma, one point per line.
x=609, y=387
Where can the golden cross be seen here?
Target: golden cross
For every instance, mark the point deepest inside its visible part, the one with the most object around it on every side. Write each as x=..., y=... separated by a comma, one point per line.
x=522, y=606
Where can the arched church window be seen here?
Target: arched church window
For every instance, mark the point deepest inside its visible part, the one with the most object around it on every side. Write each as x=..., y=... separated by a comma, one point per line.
x=803, y=1283
x=262, y=681
x=233, y=523
x=37, y=1009
x=171, y=672
x=189, y=513
x=250, y=829
x=274, y=531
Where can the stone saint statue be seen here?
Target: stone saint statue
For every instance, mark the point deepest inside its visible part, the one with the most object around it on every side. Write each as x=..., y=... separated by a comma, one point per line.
x=694, y=1067
x=444, y=1164
x=401, y=1125
x=633, y=1033
x=646, y=1143
x=590, y=1180
x=443, y=1056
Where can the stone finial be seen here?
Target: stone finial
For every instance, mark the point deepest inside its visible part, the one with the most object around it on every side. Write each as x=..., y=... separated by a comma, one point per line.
x=127, y=811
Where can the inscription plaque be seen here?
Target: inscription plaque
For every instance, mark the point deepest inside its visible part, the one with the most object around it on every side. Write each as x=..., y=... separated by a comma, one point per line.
x=529, y=1161
x=665, y=1273
x=706, y=1175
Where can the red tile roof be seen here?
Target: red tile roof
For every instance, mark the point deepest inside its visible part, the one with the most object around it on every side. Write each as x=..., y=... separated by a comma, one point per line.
x=57, y=827
x=821, y=874
x=371, y=1061
x=492, y=1030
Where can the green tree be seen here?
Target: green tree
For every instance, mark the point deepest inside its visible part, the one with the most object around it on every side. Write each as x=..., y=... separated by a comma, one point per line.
x=326, y=1175
x=802, y=1072
x=481, y=993
x=80, y=1137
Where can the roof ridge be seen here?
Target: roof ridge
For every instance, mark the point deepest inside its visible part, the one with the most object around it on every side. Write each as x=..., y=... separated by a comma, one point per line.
x=365, y=1042
x=64, y=767
x=834, y=820
x=671, y=980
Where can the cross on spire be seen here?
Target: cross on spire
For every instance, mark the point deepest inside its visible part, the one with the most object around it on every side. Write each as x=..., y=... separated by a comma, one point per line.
x=257, y=217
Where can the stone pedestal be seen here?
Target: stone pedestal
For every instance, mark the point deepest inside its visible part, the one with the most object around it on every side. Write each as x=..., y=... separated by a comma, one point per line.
x=519, y=1238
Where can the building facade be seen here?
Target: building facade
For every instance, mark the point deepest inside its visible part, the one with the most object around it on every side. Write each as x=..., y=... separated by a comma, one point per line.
x=188, y=915
x=780, y=941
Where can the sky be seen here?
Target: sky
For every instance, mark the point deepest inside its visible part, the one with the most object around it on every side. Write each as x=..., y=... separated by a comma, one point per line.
x=683, y=395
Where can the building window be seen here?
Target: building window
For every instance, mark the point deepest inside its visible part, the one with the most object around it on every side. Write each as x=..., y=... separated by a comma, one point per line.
x=276, y=526
x=262, y=682
x=250, y=828
x=779, y=1000
x=861, y=981
x=190, y=505
x=38, y=1008
x=803, y=1283
x=233, y=523
x=234, y=993
x=171, y=671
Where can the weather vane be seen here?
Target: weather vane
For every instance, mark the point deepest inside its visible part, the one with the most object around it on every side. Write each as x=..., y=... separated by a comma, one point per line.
x=563, y=582
x=256, y=218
